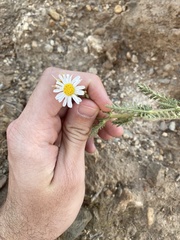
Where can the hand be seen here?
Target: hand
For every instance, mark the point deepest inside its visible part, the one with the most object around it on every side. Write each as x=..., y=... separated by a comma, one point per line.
x=46, y=147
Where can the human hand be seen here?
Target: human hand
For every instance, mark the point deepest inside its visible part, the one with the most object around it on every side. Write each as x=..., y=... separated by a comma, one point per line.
x=46, y=147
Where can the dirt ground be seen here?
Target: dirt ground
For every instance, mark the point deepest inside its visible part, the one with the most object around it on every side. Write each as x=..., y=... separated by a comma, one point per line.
x=132, y=183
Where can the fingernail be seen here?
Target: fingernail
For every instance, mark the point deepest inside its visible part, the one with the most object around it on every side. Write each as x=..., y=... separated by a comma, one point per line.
x=87, y=111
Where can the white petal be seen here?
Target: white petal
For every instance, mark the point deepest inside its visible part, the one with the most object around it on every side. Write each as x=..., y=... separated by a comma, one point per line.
x=61, y=77
x=57, y=90
x=80, y=87
x=65, y=101
x=69, y=102
x=79, y=92
x=60, y=97
x=76, y=99
x=76, y=81
x=59, y=83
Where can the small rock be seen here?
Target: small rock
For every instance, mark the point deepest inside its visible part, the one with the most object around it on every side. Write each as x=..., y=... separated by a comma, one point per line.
x=128, y=56
x=3, y=179
x=54, y=14
x=164, y=134
x=99, y=31
x=48, y=48
x=127, y=134
x=85, y=49
x=78, y=225
x=172, y=126
x=163, y=126
x=164, y=81
x=150, y=216
x=134, y=59
x=34, y=44
x=108, y=65
x=95, y=43
x=118, y=9
x=168, y=68
x=25, y=26
x=152, y=173
x=93, y=70
x=60, y=49
x=88, y=7
x=108, y=193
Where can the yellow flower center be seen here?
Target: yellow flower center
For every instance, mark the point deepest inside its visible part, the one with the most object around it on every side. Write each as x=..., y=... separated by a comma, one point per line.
x=69, y=89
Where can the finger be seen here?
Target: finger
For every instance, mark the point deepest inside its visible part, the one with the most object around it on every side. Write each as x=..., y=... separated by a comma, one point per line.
x=113, y=130
x=104, y=135
x=90, y=146
x=76, y=128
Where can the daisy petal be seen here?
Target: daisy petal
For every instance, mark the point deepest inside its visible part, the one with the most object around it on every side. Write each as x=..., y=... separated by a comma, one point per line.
x=59, y=83
x=57, y=90
x=65, y=101
x=76, y=81
x=80, y=87
x=60, y=97
x=76, y=99
x=69, y=102
x=79, y=92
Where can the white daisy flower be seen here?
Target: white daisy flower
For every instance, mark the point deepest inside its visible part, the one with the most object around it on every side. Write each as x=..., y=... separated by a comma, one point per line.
x=68, y=89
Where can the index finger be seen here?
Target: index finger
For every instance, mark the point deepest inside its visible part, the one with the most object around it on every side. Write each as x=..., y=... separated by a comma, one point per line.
x=43, y=100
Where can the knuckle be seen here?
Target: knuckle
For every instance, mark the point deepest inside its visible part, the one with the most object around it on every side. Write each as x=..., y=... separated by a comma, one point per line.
x=74, y=133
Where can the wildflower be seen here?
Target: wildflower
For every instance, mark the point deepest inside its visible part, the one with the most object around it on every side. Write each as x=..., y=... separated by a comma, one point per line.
x=68, y=89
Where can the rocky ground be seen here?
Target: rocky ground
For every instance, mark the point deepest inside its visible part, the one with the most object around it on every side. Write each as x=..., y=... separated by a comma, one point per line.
x=132, y=183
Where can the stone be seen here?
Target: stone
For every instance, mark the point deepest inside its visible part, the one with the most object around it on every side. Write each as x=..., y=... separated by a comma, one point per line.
x=54, y=14
x=93, y=70
x=164, y=81
x=78, y=225
x=164, y=134
x=128, y=56
x=168, y=68
x=48, y=48
x=172, y=126
x=3, y=179
x=152, y=173
x=163, y=126
x=150, y=216
x=134, y=59
x=118, y=9
x=88, y=7
x=95, y=43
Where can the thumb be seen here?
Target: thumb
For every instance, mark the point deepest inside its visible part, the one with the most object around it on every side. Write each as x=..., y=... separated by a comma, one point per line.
x=77, y=126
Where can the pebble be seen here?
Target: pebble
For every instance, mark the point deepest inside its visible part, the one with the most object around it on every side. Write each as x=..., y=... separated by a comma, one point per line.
x=134, y=59
x=34, y=44
x=108, y=193
x=150, y=216
x=54, y=14
x=95, y=43
x=128, y=56
x=172, y=126
x=163, y=126
x=88, y=7
x=164, y=134
x=164, y=81
x=25, y=26
x=48, y=48
x=168, y=68
x=127, y=134
x=3, y=179
x=93, y=70
x=60, y=49
x=118, y=9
